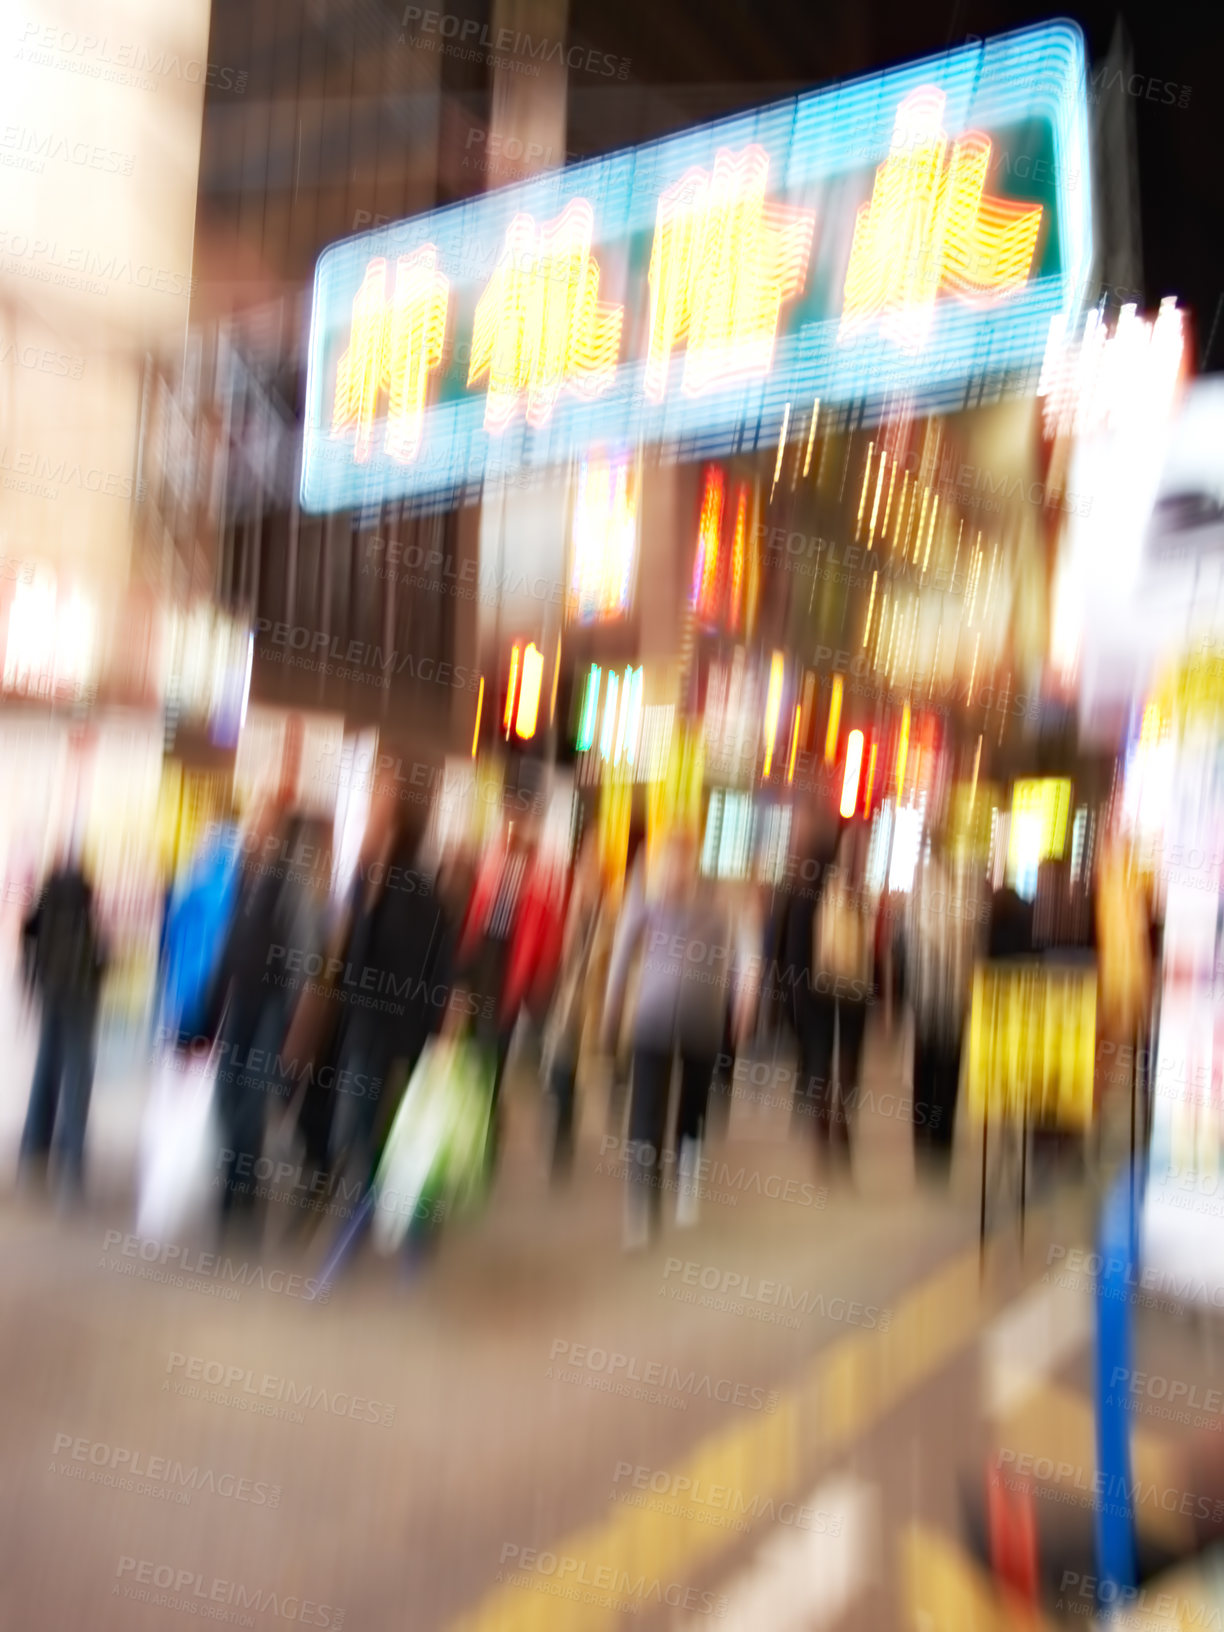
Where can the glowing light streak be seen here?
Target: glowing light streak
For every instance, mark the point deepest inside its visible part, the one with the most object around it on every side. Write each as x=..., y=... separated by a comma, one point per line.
x=902, y=750
x=930, y=535
x=479, y=711
x=773, y=705
x=854, y=766
x=835, y=703
x=529, y=693
x=552, y=707
x=892, y=482
x=540, y=327
x=794, y=745
x=875, y=508
x=394, y=344
x=722, y=264
x=738, y=547
x=871, y=769
x=709, y=537
x=807, y=458
x=781, y=448
x=631, y=712
x=858, y=524
x=510, y=694
x=930, y=230
x=870, y=607
x=609, y=717
x=590, y=708
x=926, y=495
x=1109, y=381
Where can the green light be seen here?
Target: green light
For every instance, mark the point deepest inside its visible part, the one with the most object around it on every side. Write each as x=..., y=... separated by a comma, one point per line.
x=590, y=705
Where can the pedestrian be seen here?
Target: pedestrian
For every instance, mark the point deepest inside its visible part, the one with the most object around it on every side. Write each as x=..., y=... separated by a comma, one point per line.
x=945, y=925
x=812, y=1012
x=397, y=987
x=568, y=1013
x=688, y=964
x=253, y=998
x=843, y=984
x=64, y=962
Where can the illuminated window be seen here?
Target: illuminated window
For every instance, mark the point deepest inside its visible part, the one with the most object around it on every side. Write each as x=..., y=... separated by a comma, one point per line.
x=930, y=230
x=394, y=344
x=723, y=262
x=604, y=540
x=540, y=326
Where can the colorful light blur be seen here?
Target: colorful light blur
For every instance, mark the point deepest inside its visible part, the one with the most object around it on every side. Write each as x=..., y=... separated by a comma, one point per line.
x=540, y=327
x=603, y=539
x=590, y=710
x=773, y=705
x=854, y=769
x=929, y=230
x=722, y=264
x=512, y=688
x=527, y=715
x=835, y=702
x=396, y=342
x=709, y=538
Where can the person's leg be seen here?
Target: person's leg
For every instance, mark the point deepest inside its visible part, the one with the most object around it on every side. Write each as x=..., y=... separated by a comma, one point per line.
x=696, y=1074
x=648, y=1096
x=945, y=1088
x=233, y=1092
x=814, y=1085
x=78, y=1045
x=925, y=1111
x=44, y=1091
x=359, y=1104
x=562, y=1078
x=852, y=1026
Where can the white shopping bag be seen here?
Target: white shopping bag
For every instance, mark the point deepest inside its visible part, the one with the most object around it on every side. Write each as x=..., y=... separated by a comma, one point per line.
x=179, y=1145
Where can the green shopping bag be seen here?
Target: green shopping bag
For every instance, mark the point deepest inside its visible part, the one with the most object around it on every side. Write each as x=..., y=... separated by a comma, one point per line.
x=435, y=1162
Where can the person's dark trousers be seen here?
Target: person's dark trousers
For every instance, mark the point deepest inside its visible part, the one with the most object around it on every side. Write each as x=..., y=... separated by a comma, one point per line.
x=60, y=1091
x=497, y=1040
x=562, y=1078
x=696, y=1075
x=649, y=1091
x=251, y=1035
x=937, y=1064
x=851, y=1030
x=813, y=1102
x=722, y=1078
x=361, y=1084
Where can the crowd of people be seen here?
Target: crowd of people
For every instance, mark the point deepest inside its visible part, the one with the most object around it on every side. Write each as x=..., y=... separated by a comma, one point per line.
x=316, y=1005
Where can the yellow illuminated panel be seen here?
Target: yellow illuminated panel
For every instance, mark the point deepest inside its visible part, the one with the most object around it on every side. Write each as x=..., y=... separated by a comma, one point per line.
x=529, y=693
x=394, y=344
x=930, y=230
x=902, y=750
x=1032, y=1044
x=1040, y=812
x=835, y=702
x=510, y=692
x=540, y=326
x=722, y=264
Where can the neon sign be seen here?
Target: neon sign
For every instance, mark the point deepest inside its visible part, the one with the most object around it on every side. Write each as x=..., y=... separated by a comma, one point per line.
x=913, y=231
x=723, y=262
x=604, y=540
x=395, y=344
x=540, y=327
x=930, y=230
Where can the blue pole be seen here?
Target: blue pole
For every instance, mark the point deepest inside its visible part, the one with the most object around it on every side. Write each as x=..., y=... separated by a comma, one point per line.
x=1115, y=1517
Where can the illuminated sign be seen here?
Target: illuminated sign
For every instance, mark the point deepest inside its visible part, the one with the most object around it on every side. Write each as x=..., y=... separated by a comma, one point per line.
x=1032, y=1045
x=914, y=231
x=603, y=540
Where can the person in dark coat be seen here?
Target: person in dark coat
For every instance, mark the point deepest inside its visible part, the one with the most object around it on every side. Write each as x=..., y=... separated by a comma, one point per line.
x=397, y=987
x=811, y=1013
x=64, y=963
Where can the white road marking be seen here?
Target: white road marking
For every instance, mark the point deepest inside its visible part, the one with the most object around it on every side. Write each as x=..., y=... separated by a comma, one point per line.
x=1022, y=1348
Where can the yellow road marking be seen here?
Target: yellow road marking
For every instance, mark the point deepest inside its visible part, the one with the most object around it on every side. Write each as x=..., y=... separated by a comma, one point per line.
x=945, y=1591
x=637, y=1552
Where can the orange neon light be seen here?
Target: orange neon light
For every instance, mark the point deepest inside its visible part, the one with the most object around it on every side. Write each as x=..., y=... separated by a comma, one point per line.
x=529, y=693
x=738, y=545
x=540, y=326
x=722, y=263
x=394, y=344
x=773, y=705
x=510, y=694
x=479, y=711
x=871, y=765
x=835, y=702
x=854, y=766
x=930, y=230
x=794, y=747
x=709, y=540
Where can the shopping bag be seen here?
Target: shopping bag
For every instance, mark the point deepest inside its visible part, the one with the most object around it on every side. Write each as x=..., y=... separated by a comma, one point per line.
x=435, y=1162
x=179, y=1145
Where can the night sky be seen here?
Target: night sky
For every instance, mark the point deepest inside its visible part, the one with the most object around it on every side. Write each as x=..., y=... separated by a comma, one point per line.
x=783, y=46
